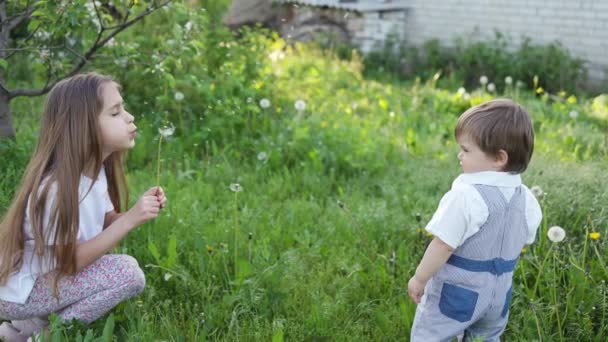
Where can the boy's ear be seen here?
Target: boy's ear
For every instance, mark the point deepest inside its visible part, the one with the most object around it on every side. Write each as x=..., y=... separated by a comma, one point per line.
x=502, y=158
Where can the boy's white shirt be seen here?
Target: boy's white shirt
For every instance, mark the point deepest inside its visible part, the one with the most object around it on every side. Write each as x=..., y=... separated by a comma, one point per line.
x=462, y=211
x=92, y=211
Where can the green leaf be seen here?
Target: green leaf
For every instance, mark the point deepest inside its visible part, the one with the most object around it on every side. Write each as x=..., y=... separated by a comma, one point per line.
x=172, y=252
x=3, y=64
x=278, y=335
x=154, y=251
x=108, y=329
x=33, y=24
x=38, y=13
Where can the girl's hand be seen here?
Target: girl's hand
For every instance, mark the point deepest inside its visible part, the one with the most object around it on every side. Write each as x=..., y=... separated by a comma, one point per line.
x=160, y=195
x=146, y=208
x=415, y=289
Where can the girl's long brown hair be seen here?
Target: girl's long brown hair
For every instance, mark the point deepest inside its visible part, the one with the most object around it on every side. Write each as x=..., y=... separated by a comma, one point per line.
x=69, y=143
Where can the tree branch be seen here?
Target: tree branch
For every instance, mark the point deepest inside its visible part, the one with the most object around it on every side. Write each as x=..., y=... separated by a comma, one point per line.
x=88, y=55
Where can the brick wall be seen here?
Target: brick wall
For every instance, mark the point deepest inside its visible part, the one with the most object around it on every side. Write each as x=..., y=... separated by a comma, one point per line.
x=580, y=25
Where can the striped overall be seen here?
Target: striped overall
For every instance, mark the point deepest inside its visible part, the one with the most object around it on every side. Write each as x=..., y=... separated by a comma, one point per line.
x=472, y=291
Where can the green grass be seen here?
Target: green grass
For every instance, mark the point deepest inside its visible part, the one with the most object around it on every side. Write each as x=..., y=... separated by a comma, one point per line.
x=327, y=228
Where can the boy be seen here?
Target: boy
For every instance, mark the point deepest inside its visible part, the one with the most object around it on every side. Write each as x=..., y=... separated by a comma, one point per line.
x=463, y=282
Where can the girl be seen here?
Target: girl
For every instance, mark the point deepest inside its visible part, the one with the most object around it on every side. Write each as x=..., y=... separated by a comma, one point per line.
x=66, y=215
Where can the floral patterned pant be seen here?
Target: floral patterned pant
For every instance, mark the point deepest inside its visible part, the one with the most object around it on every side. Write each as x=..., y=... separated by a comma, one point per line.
x=85, y=296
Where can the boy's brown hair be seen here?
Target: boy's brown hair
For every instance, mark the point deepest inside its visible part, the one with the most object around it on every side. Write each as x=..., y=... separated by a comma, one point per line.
x=500, y=124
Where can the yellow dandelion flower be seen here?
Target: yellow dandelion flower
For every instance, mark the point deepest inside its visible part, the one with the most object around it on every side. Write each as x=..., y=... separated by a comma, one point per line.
x=428, y=234
x=524, y=250
x=595, y=236
x=540, y=90
x=572, y=99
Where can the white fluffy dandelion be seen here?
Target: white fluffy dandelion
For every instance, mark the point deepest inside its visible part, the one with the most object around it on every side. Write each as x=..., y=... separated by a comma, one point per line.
x=537, y=191
x=179, y=96
x=264, y=103
x=573, y=114
x=556, y=234
x=236, y=187
x=262, y=156
x=461, y=91
x=167, y=131
x=508, y=80
x=491, y=87
x=300, y=105
x=483, y=80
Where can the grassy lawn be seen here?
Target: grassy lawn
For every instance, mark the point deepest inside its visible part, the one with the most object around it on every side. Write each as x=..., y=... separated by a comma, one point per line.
x=320, y=242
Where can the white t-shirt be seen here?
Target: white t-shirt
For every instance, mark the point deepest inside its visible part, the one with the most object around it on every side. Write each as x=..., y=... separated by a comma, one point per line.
x=92, y=210
x=462, y=211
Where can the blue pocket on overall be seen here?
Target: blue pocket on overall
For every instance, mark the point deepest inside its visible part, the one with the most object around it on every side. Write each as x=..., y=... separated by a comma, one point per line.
x=457, y=302
x=505, y=308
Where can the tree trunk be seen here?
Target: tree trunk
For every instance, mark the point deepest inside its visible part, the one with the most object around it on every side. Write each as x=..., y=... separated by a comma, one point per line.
x=6, y=123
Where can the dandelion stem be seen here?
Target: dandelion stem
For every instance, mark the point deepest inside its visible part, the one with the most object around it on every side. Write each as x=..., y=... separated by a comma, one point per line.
x=236, y=228
x=542, y=266
x=559, y=323
x=160, y=140
x=599, y=259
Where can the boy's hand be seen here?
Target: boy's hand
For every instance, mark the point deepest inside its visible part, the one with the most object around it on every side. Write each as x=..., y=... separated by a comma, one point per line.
x=415, y=288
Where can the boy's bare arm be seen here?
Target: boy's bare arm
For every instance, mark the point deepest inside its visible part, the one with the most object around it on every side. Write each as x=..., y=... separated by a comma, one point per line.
x=437, y=253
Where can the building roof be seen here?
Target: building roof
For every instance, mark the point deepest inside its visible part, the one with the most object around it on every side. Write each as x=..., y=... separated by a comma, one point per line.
x=353, y=5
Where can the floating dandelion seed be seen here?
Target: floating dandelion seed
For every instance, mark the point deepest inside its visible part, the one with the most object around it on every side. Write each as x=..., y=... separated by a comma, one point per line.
x=595, y=236
x=264, y=103
x=556, y=234
x=300, y=105
x=483, y=80
x=537, y=191
x=236, y=187
x=508, y=80
x=165, y=132
x=179, y=96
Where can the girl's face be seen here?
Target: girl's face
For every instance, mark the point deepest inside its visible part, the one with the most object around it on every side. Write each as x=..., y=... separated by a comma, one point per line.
x=473, y=159
x=116, y=124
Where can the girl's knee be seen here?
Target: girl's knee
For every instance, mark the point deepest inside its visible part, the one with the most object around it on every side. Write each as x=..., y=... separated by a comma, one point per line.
x=134, y=275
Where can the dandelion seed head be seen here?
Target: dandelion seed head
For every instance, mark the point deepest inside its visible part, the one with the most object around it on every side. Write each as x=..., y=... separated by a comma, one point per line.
x=167, y=130
x=264, y=103
x=179, y=96
x=483, y=80
x=236, y=187
x=556, y=234
x=573, y=114
x=508, y=80
x=491, y=87
x=300, y=105
x=537, y=191
x=262, y=156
